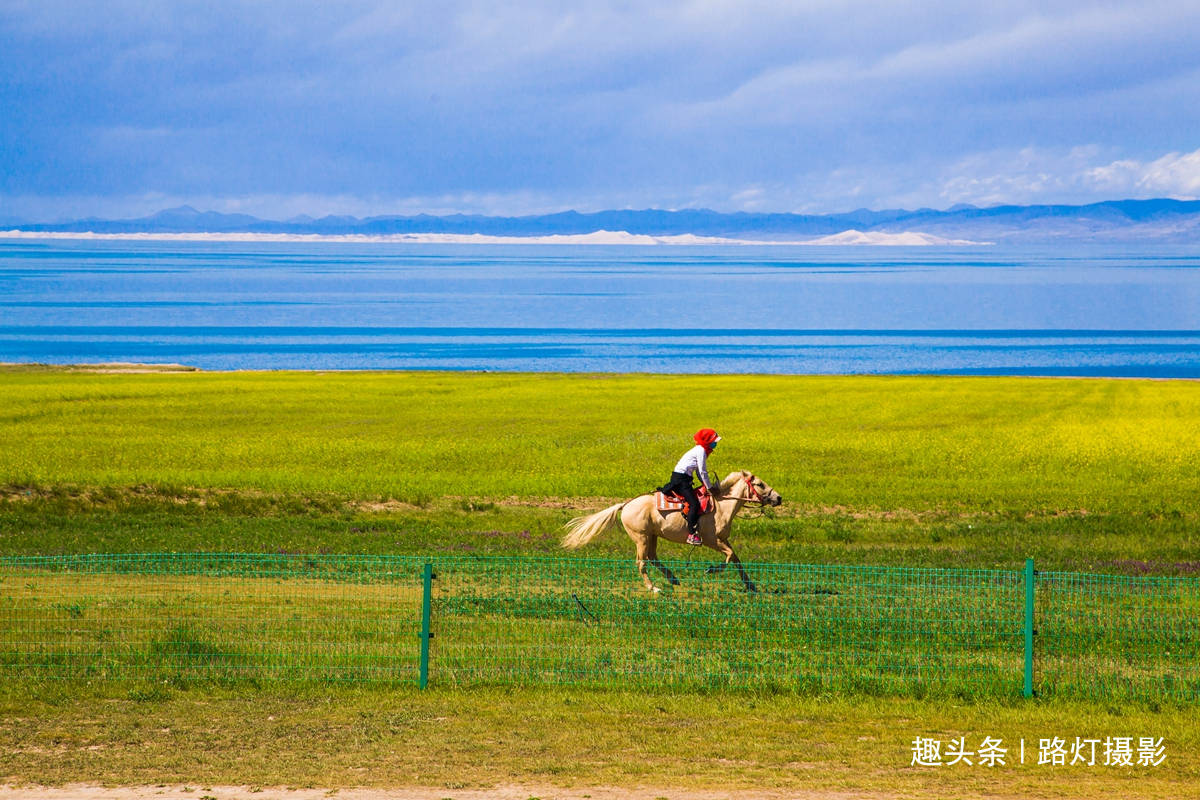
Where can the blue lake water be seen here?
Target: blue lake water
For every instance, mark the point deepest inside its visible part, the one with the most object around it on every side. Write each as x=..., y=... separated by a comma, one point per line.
x=1092, y=311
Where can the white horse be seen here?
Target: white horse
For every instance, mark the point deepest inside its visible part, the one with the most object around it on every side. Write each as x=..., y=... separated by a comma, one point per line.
x=645, y=524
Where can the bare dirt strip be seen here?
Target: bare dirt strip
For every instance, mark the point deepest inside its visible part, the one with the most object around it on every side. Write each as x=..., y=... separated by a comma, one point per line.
x=523, y=792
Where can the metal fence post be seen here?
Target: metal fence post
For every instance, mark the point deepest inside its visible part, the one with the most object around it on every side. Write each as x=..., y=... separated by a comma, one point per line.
x=426, y=619
x=1029, y=578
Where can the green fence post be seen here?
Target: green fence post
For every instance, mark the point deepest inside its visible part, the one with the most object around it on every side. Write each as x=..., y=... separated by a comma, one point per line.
x=1029, y=578
x=426, y=619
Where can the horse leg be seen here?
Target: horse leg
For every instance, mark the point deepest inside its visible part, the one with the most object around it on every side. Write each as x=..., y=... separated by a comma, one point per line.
x=726, y=549
x=644, y=552
x=652, y=556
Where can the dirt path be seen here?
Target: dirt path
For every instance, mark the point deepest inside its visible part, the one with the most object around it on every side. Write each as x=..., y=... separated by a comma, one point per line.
x=88, y=792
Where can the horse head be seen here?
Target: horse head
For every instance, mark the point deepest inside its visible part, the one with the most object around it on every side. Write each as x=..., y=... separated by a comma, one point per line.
x=748, y=486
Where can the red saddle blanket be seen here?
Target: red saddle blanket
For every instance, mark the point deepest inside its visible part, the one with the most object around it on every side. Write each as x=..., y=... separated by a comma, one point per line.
x=673, y=502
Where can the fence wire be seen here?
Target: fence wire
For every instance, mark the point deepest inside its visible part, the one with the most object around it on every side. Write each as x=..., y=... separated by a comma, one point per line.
x=589, y=622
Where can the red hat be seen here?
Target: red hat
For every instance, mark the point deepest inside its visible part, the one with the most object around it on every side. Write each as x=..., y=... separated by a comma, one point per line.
x=706, y=436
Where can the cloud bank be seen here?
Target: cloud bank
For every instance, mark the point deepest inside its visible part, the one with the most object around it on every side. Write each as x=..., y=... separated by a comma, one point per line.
x=275, y=107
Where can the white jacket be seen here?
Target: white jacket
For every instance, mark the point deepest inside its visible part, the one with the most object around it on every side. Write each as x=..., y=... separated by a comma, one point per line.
x=695, y=462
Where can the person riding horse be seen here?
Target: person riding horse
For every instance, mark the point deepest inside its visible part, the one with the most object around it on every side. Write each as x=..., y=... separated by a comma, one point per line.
x=694, y=462
x=646, y=524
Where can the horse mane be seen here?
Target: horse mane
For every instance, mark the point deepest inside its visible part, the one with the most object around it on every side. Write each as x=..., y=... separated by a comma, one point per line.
x=731, y=480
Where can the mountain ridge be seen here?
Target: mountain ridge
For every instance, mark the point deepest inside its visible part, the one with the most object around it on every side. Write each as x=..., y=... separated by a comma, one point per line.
x=1162, y=219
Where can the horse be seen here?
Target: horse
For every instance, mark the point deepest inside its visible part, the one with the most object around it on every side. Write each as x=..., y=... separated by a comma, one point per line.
x=645, y=524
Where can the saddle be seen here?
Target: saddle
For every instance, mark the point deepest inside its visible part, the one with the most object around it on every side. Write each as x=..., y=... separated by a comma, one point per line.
x=666, y=503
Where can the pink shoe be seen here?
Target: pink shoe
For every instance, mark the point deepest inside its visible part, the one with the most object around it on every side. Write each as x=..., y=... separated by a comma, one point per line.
x=694, y=538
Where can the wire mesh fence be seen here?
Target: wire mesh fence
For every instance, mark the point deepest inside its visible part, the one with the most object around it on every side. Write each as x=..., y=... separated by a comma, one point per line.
x=857, y=629
x=210, y=617
x=469, y=621
x=1117, y=637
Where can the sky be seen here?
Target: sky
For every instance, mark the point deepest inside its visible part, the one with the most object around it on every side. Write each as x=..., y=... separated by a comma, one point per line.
x=119, y=109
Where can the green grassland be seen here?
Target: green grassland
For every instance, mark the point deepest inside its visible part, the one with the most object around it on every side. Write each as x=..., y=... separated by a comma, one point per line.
x=1084, y=475
x=980, y=444
x=1099, y=475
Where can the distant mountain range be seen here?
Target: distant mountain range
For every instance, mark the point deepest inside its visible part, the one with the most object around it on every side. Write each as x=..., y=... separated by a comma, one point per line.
x=1121, y=220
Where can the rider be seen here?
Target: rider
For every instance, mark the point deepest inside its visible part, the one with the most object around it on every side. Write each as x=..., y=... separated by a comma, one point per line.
x=694, y=462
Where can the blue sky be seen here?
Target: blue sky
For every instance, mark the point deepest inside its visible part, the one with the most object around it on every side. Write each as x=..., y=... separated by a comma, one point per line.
x=281, y=108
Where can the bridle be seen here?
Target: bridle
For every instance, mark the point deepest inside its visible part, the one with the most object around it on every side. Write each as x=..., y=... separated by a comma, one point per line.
x=755, y=496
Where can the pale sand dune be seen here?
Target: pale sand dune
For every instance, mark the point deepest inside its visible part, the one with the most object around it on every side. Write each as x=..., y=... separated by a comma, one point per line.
x=905, y=239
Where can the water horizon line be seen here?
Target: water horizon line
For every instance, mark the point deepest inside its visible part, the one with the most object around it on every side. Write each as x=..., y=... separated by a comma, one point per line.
x=456, y=331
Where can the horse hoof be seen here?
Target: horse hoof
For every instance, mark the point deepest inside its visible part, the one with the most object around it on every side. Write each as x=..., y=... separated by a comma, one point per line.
x=655, y=590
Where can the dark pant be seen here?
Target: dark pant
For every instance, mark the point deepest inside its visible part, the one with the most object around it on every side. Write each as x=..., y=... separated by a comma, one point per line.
x=681, y=485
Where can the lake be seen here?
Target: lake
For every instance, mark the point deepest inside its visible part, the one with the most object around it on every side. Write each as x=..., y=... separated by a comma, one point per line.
x=1088, y=311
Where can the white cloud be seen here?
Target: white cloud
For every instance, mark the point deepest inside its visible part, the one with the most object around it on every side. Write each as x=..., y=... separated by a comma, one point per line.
x=1078, y=175
x=1173, y=175
x=1027, y=176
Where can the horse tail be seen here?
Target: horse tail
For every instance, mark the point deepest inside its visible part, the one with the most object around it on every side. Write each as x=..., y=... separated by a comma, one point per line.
x=582, y=530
